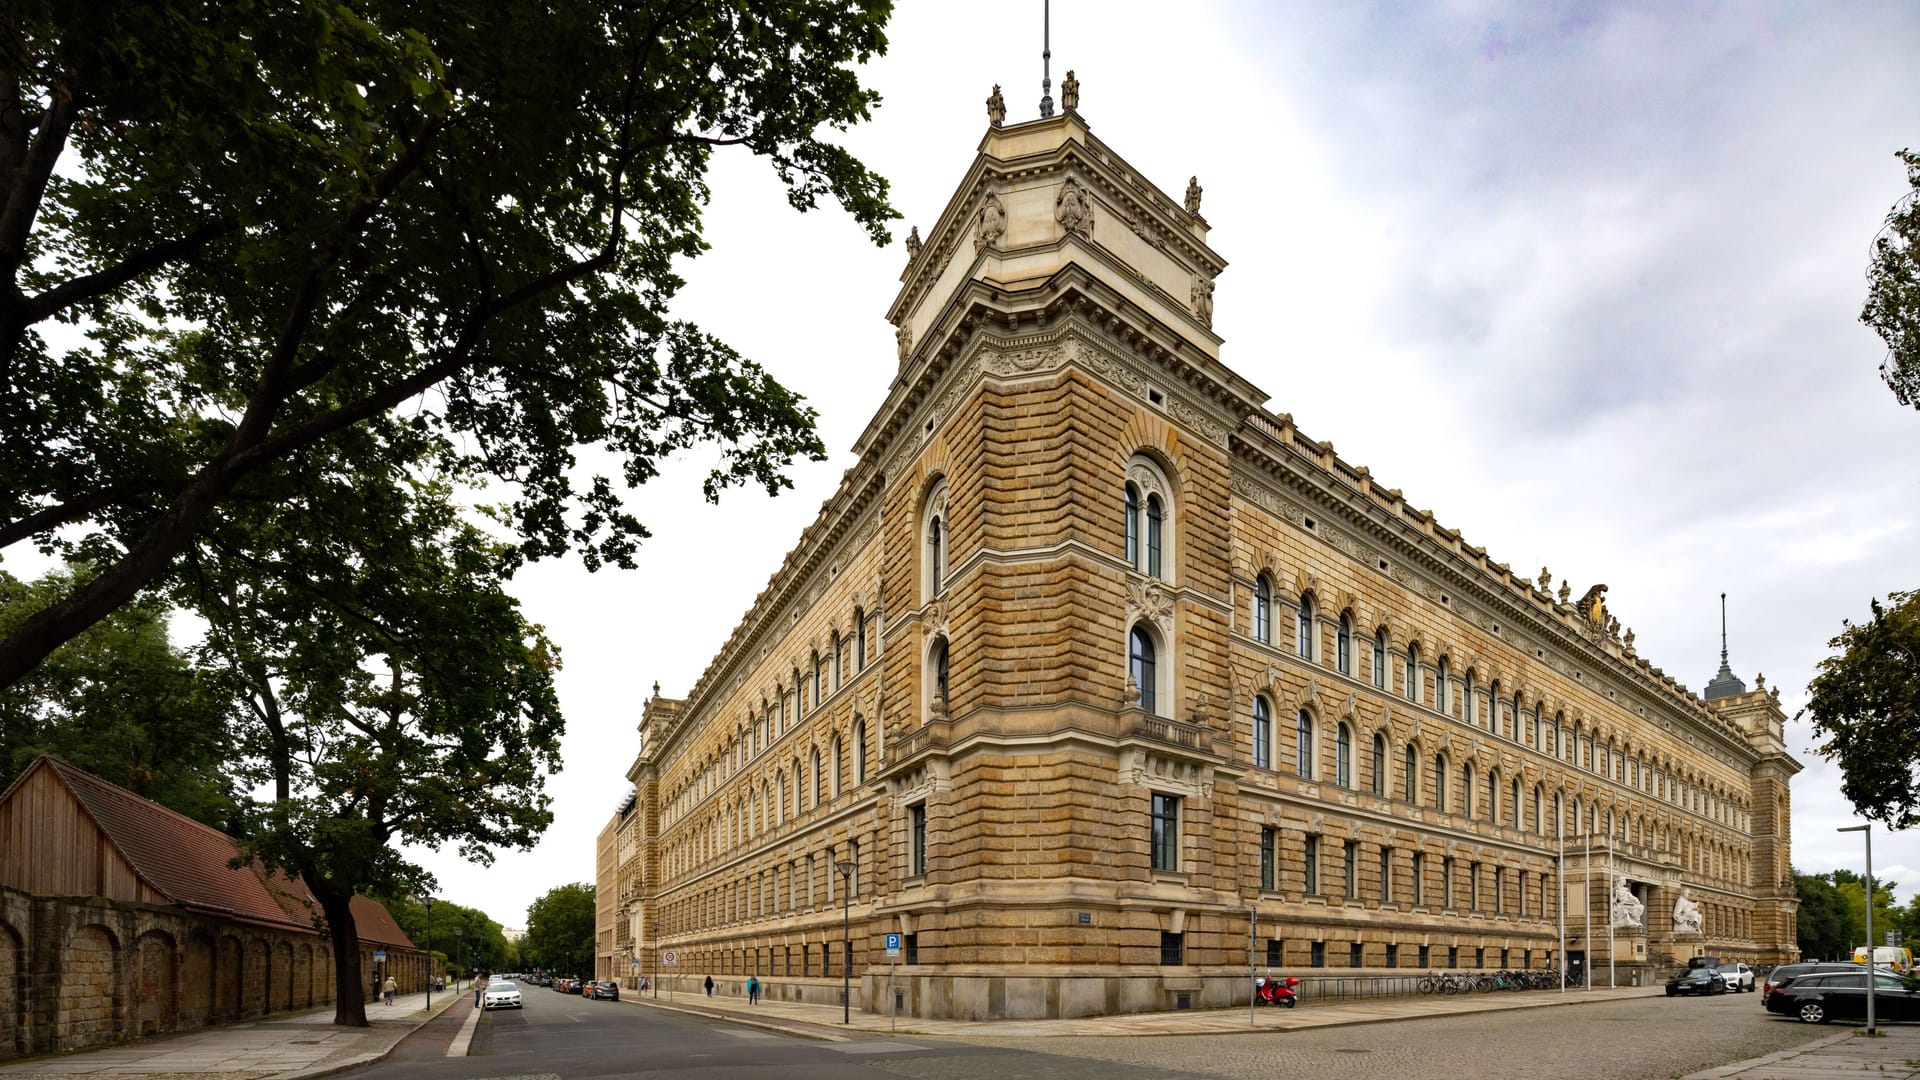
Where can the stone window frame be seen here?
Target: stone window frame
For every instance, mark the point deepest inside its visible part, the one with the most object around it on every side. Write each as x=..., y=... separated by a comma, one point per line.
x=1158, y=698
x=1306, y=629
x=935, y=541
x=1163, y=832
x=1304, y=753
x=1263, y=609
x=1152, y=548
x=1262, y=732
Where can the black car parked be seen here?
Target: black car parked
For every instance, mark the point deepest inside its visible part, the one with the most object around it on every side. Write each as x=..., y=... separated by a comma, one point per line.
x=1700, y=980
x=1820, y=997
x=1781, y=974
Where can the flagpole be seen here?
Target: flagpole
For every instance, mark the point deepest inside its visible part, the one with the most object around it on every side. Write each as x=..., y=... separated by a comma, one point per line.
x=1586, y=884
x=1611, y=985
x=1560, y=874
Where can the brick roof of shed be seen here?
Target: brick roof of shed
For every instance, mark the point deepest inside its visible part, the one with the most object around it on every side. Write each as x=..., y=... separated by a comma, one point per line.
x=188, y=862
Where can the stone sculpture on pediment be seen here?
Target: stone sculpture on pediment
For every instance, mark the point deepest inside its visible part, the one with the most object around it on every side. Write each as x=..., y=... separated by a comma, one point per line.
x=1193, y=194
x=1151, y=599
x=1070, y=91
x=903, y=342
x=990, y=224
x=1545, y=581
x=996, y=107
x=1072, y=209
x=913, y=243
x=1593, y=605
x=1686, y=914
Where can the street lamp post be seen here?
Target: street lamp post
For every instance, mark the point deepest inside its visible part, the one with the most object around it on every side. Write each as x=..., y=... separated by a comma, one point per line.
x=846, y=868
x=429, y=954
x=1872, y=968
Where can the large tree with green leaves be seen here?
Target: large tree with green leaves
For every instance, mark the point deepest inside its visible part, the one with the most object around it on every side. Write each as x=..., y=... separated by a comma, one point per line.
x=560, y=931
x=395, y=692
x=469, y=939
x=1865, y=706
x=122, y=702
x=246, y=248
x=1893, y=289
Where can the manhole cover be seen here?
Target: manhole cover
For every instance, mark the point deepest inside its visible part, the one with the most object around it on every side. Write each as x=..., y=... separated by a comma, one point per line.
x=1351, y=1050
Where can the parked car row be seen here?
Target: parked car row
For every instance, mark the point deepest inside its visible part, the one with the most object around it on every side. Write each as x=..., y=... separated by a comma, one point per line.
x=1704, y=979
x=1820, y=993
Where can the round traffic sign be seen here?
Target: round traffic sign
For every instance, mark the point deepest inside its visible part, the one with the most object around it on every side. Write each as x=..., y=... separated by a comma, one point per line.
x=668, y=957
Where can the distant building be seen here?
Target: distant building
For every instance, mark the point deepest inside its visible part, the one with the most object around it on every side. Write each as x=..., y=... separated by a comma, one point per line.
x=121, y=918
x=1094, y=666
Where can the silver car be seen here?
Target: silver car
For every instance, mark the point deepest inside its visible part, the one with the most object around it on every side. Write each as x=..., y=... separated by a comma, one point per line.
x=1738, y=977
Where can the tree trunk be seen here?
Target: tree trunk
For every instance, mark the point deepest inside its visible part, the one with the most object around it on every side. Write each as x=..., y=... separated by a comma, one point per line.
x=349, y=989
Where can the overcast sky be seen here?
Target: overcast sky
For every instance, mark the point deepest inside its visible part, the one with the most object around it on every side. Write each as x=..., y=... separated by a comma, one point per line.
x=1581, y=279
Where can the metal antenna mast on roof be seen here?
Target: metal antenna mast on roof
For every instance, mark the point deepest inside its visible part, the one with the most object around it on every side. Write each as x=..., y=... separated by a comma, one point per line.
x=1723, y=630
x=1046, y=58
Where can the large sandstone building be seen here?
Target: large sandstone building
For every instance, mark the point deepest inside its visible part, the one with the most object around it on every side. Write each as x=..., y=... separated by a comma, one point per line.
x=1096, y=676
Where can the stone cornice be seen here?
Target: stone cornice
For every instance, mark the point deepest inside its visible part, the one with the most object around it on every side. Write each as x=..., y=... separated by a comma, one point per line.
x=1336, y=490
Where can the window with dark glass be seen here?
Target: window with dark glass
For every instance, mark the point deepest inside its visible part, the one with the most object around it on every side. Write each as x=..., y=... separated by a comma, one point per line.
x=1262, y=733
x=1263, y=610
x=1354, y=955
x=1153, y=535
x=917, y=829
x=936, y=556
x=1453, y=956
x=1133, y=526
x=1303, y=746
x=1446, y=882
x=1413, y=673
x=1317, y=954
x=1442, y=690
x=1268, y=838
x=1440, y=781
x=1393, y=955
x=1380, y=659
x=1165, y=839
x=1410, y=775
x=1386, y=875
x=1273, y=952
x=1379, y=765
x=1343, y=756
x=1173, y=949
x=859, y=640
x=1311, y=860
x=1425, y=955
x=940, y=670
x=1350, y=869
x=1343, y=646
x=1304, y=644
x=912, y=947
x=1142, y=662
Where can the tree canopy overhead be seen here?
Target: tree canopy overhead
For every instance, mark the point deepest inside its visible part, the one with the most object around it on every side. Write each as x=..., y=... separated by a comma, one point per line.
x=299, y=243
x=1865, y=704
x=1893, y=289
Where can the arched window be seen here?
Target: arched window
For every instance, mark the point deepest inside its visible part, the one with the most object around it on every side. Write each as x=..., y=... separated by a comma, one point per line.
x=1467, y=705
x=859, y=751
x=938, y=661
x=838, y=672
x=934, y=527
x=833, y=783
x=859, y=640
x=1262, y=733
x=1303, y=746
x=1442, y=700
x=1380, y=659
x=1343, y=757
x=1263, y=610
x=1410, y=775
x=1149, y=518
x=1413, y=674
x=819, y=785
x=818, y=667
x=1439, y=781
x=1142, y=667
x=1466, y=789
x=1305, y=643
x=1379, y=765
x=1343, y=646
x=1539, y=823
x=1513, y=797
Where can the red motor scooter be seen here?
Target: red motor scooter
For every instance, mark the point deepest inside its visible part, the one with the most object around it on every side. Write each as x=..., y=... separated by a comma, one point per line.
x=1277, y=992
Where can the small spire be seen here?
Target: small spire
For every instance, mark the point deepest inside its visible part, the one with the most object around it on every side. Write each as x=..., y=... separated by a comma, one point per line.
x=1725, y=683
x=1046, y=59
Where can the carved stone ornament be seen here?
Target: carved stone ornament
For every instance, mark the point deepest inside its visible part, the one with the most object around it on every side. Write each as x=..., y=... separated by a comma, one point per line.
x=1627, y=910
x=1152, y=600
x=1203, y=301
x=903, y=342
x=1686, y=914
x=996, y=107
x=1073, y=210
x=913, y=243
x=991, y=223
x=1566, y=590
x=1545, y=581
x=1070, y=91
x=1593, y=605
x=1193, y=194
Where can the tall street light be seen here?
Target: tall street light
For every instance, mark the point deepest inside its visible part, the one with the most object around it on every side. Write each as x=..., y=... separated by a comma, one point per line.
x=846, y=868
x=1872, y=969
x=429, y=954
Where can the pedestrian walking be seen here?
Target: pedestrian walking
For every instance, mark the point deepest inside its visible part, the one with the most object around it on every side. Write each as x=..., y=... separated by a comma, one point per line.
x=709, y=986
x=753, y=990
x=389, y=988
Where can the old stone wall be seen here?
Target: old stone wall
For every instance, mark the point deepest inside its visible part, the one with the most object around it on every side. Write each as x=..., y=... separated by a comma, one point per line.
x=77, y=972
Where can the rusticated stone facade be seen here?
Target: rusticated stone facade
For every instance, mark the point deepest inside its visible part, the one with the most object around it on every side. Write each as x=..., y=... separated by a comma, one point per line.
x=1093, y=665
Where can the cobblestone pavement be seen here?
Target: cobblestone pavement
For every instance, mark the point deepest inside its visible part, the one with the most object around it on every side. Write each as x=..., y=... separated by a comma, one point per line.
x=1619, y=1040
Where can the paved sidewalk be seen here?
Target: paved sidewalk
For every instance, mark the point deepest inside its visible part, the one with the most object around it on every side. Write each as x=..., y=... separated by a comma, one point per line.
x=281, y=1048
x=1850, y=1052
x=823, y=1021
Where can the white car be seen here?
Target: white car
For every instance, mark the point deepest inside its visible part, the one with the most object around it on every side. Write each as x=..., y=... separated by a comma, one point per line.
x=501, y=995
x=1738, y=977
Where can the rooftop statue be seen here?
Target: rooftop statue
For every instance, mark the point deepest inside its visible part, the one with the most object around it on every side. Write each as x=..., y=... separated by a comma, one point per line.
x=913, y=243
x=1070, y=91
x=1193, y=194
x=996, y=106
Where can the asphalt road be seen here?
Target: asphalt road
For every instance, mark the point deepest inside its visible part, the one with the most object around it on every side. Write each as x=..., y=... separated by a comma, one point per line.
x=559, y=1037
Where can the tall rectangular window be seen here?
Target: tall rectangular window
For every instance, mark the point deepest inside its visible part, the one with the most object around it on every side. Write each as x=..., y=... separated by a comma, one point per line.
x=1312, y=861
x=1473, y=886
x=1268, y=837
x=1273, y=952
x=912, y=943
x=1380, y=660
x=1426, y=956
x=1393, y=956
x=1317, y=954
x=1355, y=955
x=917, y=831
x=1419, y=885
x=1165, y=838
x=1386, y=875
x=1173, y=949
x=1500, y=891
x=1446, y=882
x=1351, y=869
